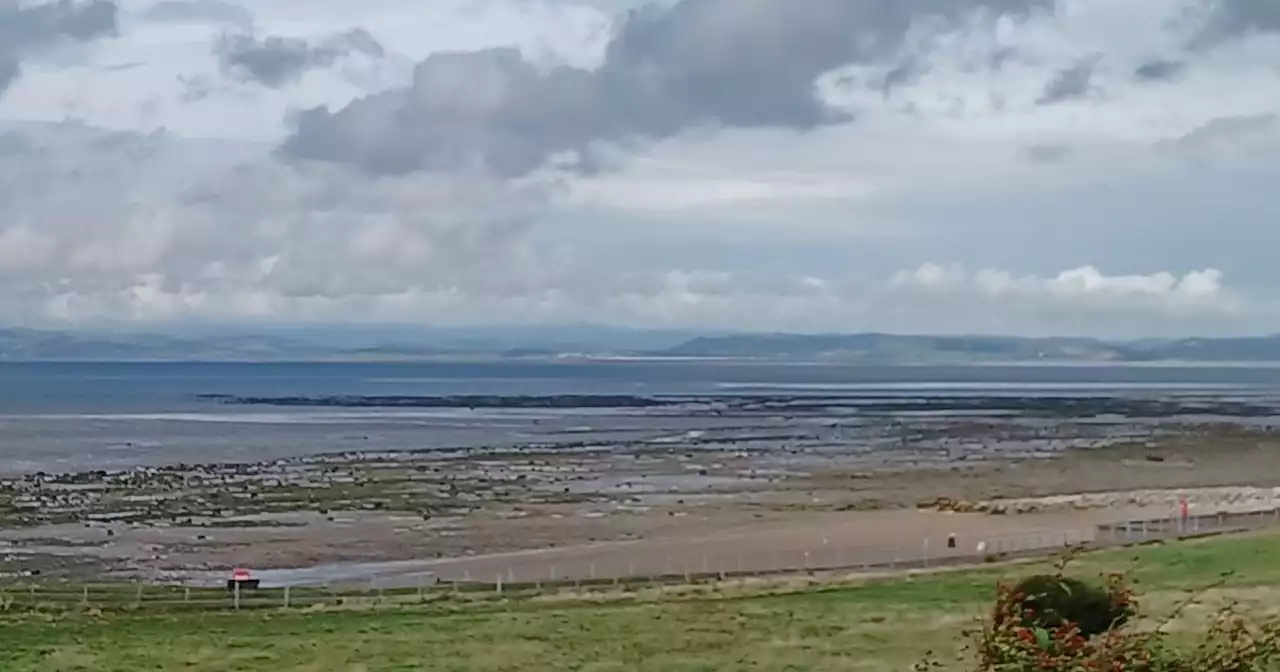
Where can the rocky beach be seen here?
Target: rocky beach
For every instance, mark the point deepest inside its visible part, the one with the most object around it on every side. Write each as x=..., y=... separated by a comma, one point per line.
x=650, y=471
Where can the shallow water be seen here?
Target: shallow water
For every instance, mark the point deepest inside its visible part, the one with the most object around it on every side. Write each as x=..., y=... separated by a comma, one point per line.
x=65, y=417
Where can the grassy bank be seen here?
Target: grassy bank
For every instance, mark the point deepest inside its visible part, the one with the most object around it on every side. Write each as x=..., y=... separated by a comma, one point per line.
x=881, y=625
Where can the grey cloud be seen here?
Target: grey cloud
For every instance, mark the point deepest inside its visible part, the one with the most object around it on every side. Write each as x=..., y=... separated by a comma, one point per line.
x=734, y=63
x=1239, y=17
x=94, y=211
x=275, y=61
x=1046, y=153
x=199, y=11
x=1069, y=84
x=1159, y=70
x=1226, y=130
x=901, y=75
x=8, y=71
x=23, y=29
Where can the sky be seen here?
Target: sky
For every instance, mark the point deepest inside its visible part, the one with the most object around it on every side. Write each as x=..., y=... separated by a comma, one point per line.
x=1038, y=167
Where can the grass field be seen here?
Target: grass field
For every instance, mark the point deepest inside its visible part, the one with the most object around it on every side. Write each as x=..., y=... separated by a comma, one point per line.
x=879, y=625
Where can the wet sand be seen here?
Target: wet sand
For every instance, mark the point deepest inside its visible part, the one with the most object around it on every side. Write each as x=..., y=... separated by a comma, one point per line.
x=758, y=493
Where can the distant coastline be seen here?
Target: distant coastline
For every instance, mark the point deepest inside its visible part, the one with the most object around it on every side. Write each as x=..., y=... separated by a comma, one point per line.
x=617, y=345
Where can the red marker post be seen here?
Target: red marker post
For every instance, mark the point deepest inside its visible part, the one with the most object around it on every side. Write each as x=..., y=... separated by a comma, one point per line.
x=1184, y=510
x=241, y=579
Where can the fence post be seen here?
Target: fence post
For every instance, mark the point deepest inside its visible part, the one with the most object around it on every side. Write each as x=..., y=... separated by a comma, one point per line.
x=498, y=584
x=235, y=595
x=286, y=597
x=591, y=570
x=84, y=596
x=186, y=593
x=422, y=588
x=926, y=552
x=137, y=599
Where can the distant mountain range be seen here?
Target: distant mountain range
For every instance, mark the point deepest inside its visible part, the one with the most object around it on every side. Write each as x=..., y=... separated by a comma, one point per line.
x=574, y=341
x=333, y=342
x=890, y=348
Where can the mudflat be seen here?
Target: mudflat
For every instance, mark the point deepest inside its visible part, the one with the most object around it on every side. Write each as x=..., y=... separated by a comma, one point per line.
x=777, y=483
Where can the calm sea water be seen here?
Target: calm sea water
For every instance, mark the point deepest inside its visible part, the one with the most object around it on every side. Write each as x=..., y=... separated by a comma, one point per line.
x=62, y=416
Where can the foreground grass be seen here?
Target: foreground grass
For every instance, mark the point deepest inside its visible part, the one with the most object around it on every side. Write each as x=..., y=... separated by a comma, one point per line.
x=881, y=625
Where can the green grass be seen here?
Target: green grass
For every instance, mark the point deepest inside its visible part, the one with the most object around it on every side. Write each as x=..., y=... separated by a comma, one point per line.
x=880, y=625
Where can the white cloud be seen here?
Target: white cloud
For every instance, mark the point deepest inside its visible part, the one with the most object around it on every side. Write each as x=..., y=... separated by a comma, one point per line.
x=950, y=154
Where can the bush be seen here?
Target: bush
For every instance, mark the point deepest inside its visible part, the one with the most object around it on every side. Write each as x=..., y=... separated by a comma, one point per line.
x=1052, y=601
x=1019, y=639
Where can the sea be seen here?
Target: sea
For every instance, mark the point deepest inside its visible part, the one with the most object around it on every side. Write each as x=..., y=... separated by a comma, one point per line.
x=58, y=417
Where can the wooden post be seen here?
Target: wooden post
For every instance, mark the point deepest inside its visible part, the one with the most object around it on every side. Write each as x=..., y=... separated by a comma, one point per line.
x=137, y=601
x=286, y=597
x=186, y=593
x=84, y=596
x=235, y=596
x=498, y=584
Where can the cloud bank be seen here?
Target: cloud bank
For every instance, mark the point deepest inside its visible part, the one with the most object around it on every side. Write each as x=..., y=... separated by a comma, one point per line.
x=25, y=29
x=1016, y=166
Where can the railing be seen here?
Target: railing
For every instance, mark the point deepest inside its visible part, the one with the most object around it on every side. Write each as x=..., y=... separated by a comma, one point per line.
x=587, y=574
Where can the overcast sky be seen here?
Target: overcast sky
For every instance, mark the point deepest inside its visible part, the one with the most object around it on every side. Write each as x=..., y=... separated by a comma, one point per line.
x=1102, y=167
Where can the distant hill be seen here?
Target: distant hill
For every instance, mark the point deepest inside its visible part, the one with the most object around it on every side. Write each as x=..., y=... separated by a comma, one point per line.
x=32, y=344
x=1256, y=349
x=889, y=348
x=339, y=342
x=574, y=341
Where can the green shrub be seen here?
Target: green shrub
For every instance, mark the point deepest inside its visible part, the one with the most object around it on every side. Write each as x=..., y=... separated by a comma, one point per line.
x=1018, y=639
x=1052, y=601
